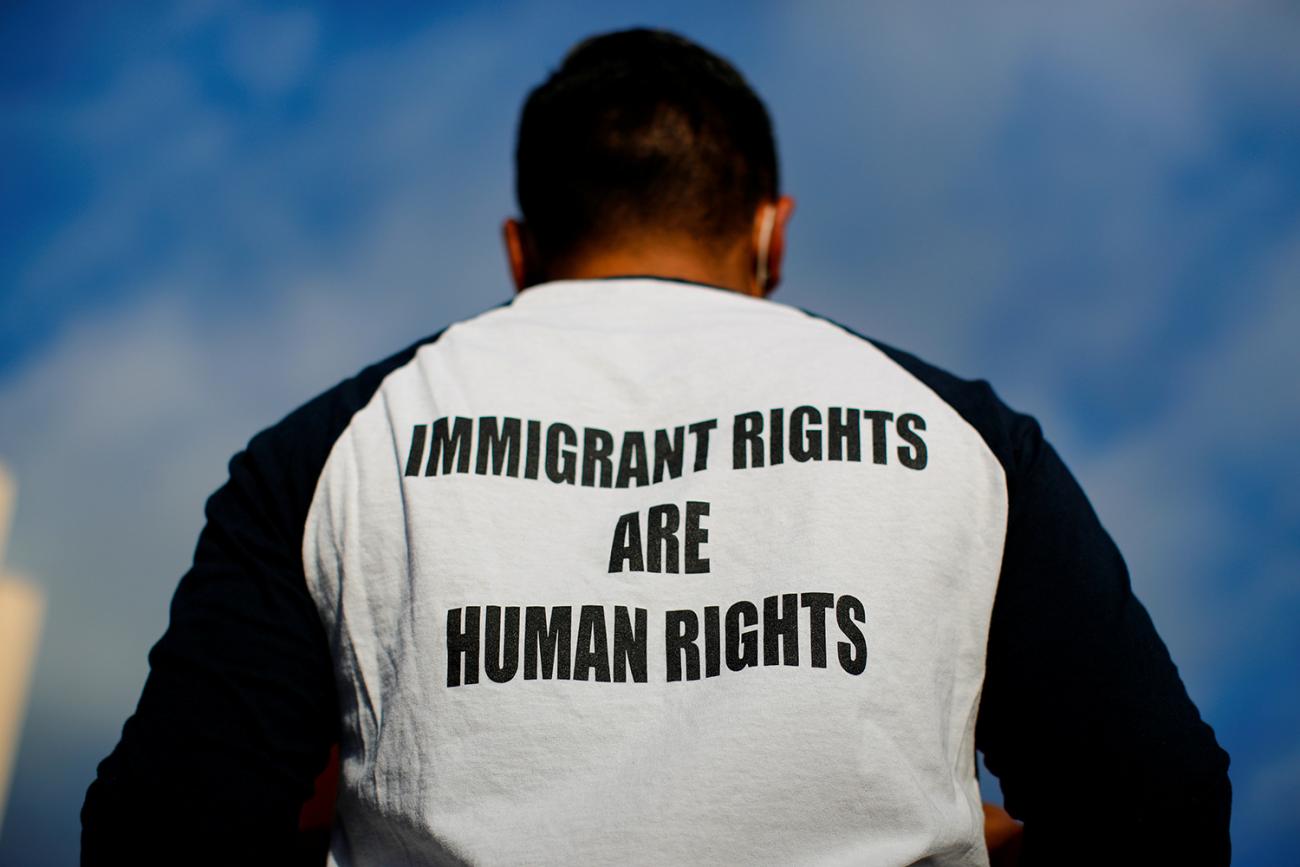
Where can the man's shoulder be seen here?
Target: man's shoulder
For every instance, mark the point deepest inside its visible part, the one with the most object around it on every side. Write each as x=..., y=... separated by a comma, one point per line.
x=290, y=454
x=329, y=411
x=975, y=400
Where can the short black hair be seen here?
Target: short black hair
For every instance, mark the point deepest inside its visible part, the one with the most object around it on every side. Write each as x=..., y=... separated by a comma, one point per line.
x=641, y=130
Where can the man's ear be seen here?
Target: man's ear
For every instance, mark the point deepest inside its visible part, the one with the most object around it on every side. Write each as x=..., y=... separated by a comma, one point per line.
x=776, y=250
x=517, y=250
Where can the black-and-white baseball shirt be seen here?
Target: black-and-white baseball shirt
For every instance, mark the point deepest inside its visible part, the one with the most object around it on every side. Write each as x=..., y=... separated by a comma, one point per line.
x=641, y=571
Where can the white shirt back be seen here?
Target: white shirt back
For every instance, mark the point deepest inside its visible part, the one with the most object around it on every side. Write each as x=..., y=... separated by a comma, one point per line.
x=811, y=698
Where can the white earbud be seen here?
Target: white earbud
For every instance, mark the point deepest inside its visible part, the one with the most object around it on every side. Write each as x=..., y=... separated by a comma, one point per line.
x=764, y=244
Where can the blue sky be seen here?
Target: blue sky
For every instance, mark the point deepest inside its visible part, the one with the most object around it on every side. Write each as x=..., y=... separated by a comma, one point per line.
x=211, y=211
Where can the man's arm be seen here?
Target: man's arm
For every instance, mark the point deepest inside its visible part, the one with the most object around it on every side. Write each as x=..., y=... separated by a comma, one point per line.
x=238, y=712
x=240, y=708
x=1083, y=717
x=1083, y=714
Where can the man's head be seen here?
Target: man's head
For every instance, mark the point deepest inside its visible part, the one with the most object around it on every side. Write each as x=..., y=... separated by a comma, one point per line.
x=647, y=154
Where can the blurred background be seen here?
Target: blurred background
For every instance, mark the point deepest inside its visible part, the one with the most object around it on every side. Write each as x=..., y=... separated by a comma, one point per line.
x=209, y=212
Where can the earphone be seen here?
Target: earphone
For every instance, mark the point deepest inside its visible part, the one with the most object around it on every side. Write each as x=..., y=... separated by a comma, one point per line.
x=764, y=244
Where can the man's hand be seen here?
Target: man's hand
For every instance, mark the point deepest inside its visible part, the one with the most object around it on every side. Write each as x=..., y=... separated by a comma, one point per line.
x=1002, y=834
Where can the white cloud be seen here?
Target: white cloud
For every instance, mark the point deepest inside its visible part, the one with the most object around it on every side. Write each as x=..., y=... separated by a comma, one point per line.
x=1162, y=489
x=1017, y=172
x=120, y=428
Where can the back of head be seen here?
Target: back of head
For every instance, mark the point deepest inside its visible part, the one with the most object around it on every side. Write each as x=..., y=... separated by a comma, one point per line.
x=642, y=134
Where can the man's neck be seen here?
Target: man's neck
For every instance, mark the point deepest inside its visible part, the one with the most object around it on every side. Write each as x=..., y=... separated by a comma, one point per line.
x=727, y=272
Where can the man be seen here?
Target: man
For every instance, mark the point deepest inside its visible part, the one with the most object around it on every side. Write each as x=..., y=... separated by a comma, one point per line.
x=643, y=567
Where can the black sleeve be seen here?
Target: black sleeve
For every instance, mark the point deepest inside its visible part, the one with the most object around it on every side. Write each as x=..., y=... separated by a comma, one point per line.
x=239, y=710
x=1083, y=716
